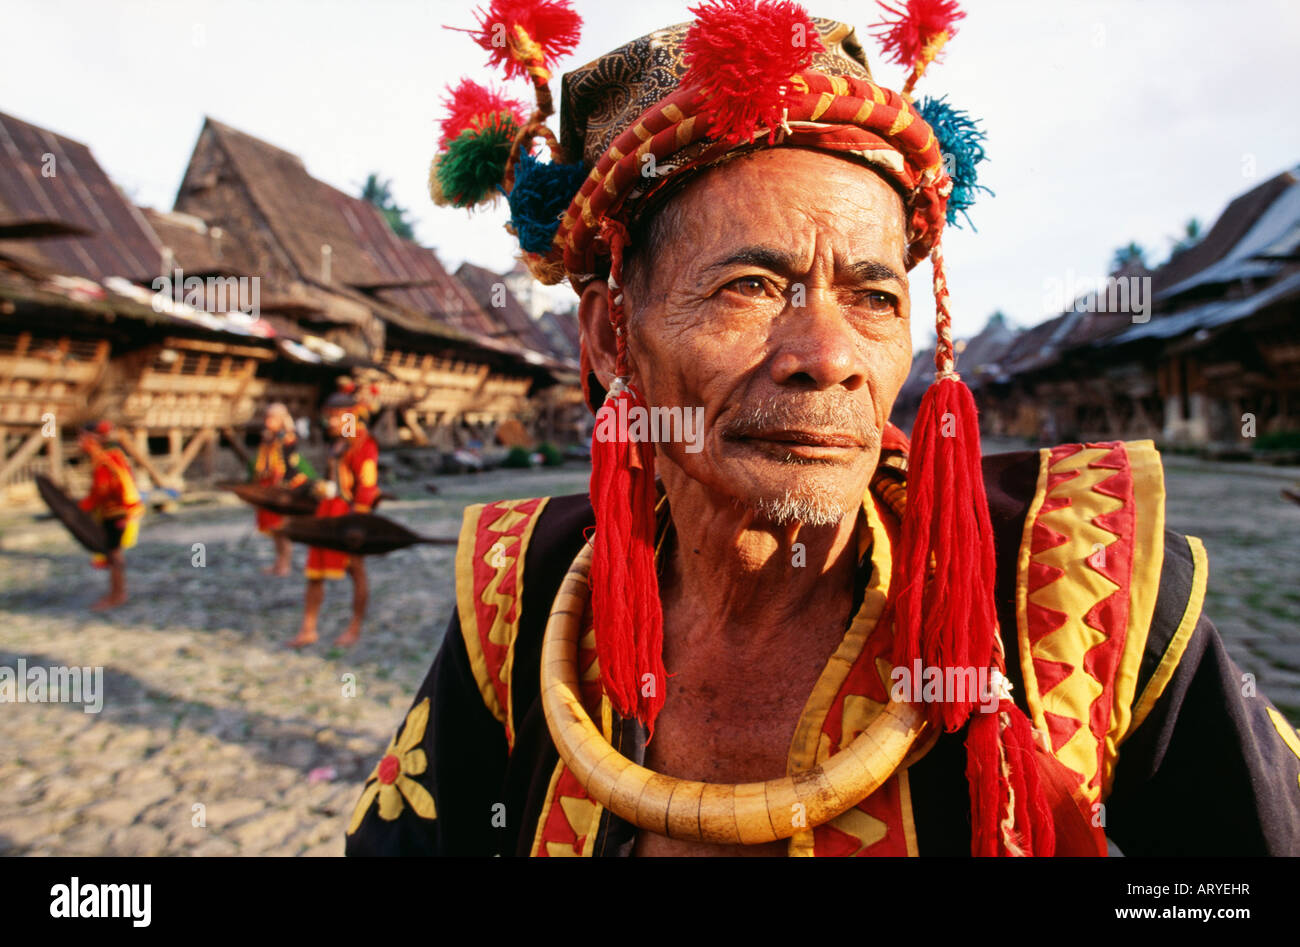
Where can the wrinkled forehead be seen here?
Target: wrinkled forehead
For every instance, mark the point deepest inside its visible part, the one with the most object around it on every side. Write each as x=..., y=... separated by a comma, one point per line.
x=782, y=185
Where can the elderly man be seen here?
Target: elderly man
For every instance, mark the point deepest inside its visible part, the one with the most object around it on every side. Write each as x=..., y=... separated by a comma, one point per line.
x=755, y=655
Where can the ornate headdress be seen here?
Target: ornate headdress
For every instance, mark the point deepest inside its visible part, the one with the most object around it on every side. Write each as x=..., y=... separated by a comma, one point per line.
x=101, y=429
x=748, y=74
x=362, y=400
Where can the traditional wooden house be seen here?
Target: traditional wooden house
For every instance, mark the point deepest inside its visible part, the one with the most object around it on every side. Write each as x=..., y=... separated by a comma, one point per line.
x=331, y=264
x=80, y=335
x=558, y=411
x=263, y=285
x=1224, y=341
x=1202, y=351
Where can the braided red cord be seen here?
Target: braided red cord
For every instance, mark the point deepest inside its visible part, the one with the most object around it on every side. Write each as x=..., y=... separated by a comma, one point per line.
x=616, y=237
x=945, y=356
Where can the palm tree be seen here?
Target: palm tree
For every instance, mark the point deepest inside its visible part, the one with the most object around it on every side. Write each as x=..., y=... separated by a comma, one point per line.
x=1127, y=256
x=1190, y=237
x=380, y=194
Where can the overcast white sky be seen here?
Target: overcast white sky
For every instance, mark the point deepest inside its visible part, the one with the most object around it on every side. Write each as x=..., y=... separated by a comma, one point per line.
x=1107, y=121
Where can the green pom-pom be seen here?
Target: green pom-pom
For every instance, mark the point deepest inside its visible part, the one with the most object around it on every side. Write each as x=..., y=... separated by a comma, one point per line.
x=473, y=167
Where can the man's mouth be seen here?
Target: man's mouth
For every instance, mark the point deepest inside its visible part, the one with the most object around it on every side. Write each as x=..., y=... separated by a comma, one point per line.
x=804, y=445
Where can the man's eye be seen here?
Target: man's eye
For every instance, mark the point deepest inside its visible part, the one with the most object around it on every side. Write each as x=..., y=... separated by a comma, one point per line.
x=878, y=301
x=749, y=286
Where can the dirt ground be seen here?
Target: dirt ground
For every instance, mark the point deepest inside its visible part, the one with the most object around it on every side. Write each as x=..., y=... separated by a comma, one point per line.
x=215, y=740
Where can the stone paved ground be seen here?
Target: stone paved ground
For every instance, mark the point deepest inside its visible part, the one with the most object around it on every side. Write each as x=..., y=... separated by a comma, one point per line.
x=203, y=704
x=204, y=707
x=1252, y=537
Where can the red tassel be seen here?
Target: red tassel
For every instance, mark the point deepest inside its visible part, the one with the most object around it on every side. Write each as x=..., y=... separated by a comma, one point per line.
x=943, y=609
x=916, y=25
x=949, y=620
x=1010, y=814
x=527, y=37
x=741, y=55
x=624, y=585
x=1037, y=834
x=625, y=605
x=470, y=105
x=983, y=772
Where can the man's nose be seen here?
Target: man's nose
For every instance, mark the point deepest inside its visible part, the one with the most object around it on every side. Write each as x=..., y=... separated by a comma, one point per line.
x=816, y=346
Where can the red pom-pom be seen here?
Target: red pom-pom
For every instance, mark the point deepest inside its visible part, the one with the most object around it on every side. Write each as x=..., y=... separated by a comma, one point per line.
x=916, y=24
x=470, y=105
x=550, y=30
x=741, y=55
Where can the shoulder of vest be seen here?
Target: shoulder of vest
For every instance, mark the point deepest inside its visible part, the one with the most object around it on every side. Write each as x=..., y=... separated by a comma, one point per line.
x=1088, y=571
x=364, y=448
x=494, y=540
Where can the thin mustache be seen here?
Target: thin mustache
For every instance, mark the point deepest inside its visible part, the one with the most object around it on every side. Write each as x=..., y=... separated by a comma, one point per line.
x=795, y=413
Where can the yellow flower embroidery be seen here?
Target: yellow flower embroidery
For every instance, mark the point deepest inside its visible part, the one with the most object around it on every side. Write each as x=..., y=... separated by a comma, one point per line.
x=391, y=781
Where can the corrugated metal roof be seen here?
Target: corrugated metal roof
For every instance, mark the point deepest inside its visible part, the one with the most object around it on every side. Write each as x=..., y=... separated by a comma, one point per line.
x=1278, y=225
x=78, y=193
x=1237, y=218
x=1212, y=314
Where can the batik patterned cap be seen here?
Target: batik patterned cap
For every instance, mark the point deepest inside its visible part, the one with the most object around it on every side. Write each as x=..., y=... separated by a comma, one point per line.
x=602, y=99
x=646, y=115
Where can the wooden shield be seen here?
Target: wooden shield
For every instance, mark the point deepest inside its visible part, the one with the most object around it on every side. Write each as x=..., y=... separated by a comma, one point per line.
x=83, y=527
x=358, y=534
x=298, y=501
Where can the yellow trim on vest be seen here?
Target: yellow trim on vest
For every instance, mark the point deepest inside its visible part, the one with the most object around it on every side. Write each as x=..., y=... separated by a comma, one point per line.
x=593, y=829
x=469, y=615
x=1290, y=736
x=502, y=633
x=1148, y=561
x=1079, y=588
x=1164, y=671
x=1032, y=697
x=546, y=809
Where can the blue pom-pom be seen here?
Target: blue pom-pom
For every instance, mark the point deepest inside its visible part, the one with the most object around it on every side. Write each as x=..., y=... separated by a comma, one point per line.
x=961, y=143
x=542, y=192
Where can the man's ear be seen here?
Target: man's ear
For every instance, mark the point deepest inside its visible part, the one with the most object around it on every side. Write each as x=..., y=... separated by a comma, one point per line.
x=597, y=333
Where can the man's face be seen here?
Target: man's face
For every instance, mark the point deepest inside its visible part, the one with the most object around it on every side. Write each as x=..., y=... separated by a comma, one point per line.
x=780, y=305
x=334, y=421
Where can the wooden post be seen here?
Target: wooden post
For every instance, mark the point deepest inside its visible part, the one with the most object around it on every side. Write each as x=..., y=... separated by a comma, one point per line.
x=141, y=455
x=413, y=423
x=55, y=453
x=210, y=456
x=175, y=441
x=25, y=450
x=177, y=470
x=236, y=445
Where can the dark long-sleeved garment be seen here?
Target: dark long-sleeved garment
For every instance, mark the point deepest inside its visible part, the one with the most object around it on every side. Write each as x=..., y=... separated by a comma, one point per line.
x=1211, y=768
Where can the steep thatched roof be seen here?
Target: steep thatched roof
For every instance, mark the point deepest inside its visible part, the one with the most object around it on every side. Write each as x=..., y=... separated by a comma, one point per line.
x=52, y=184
